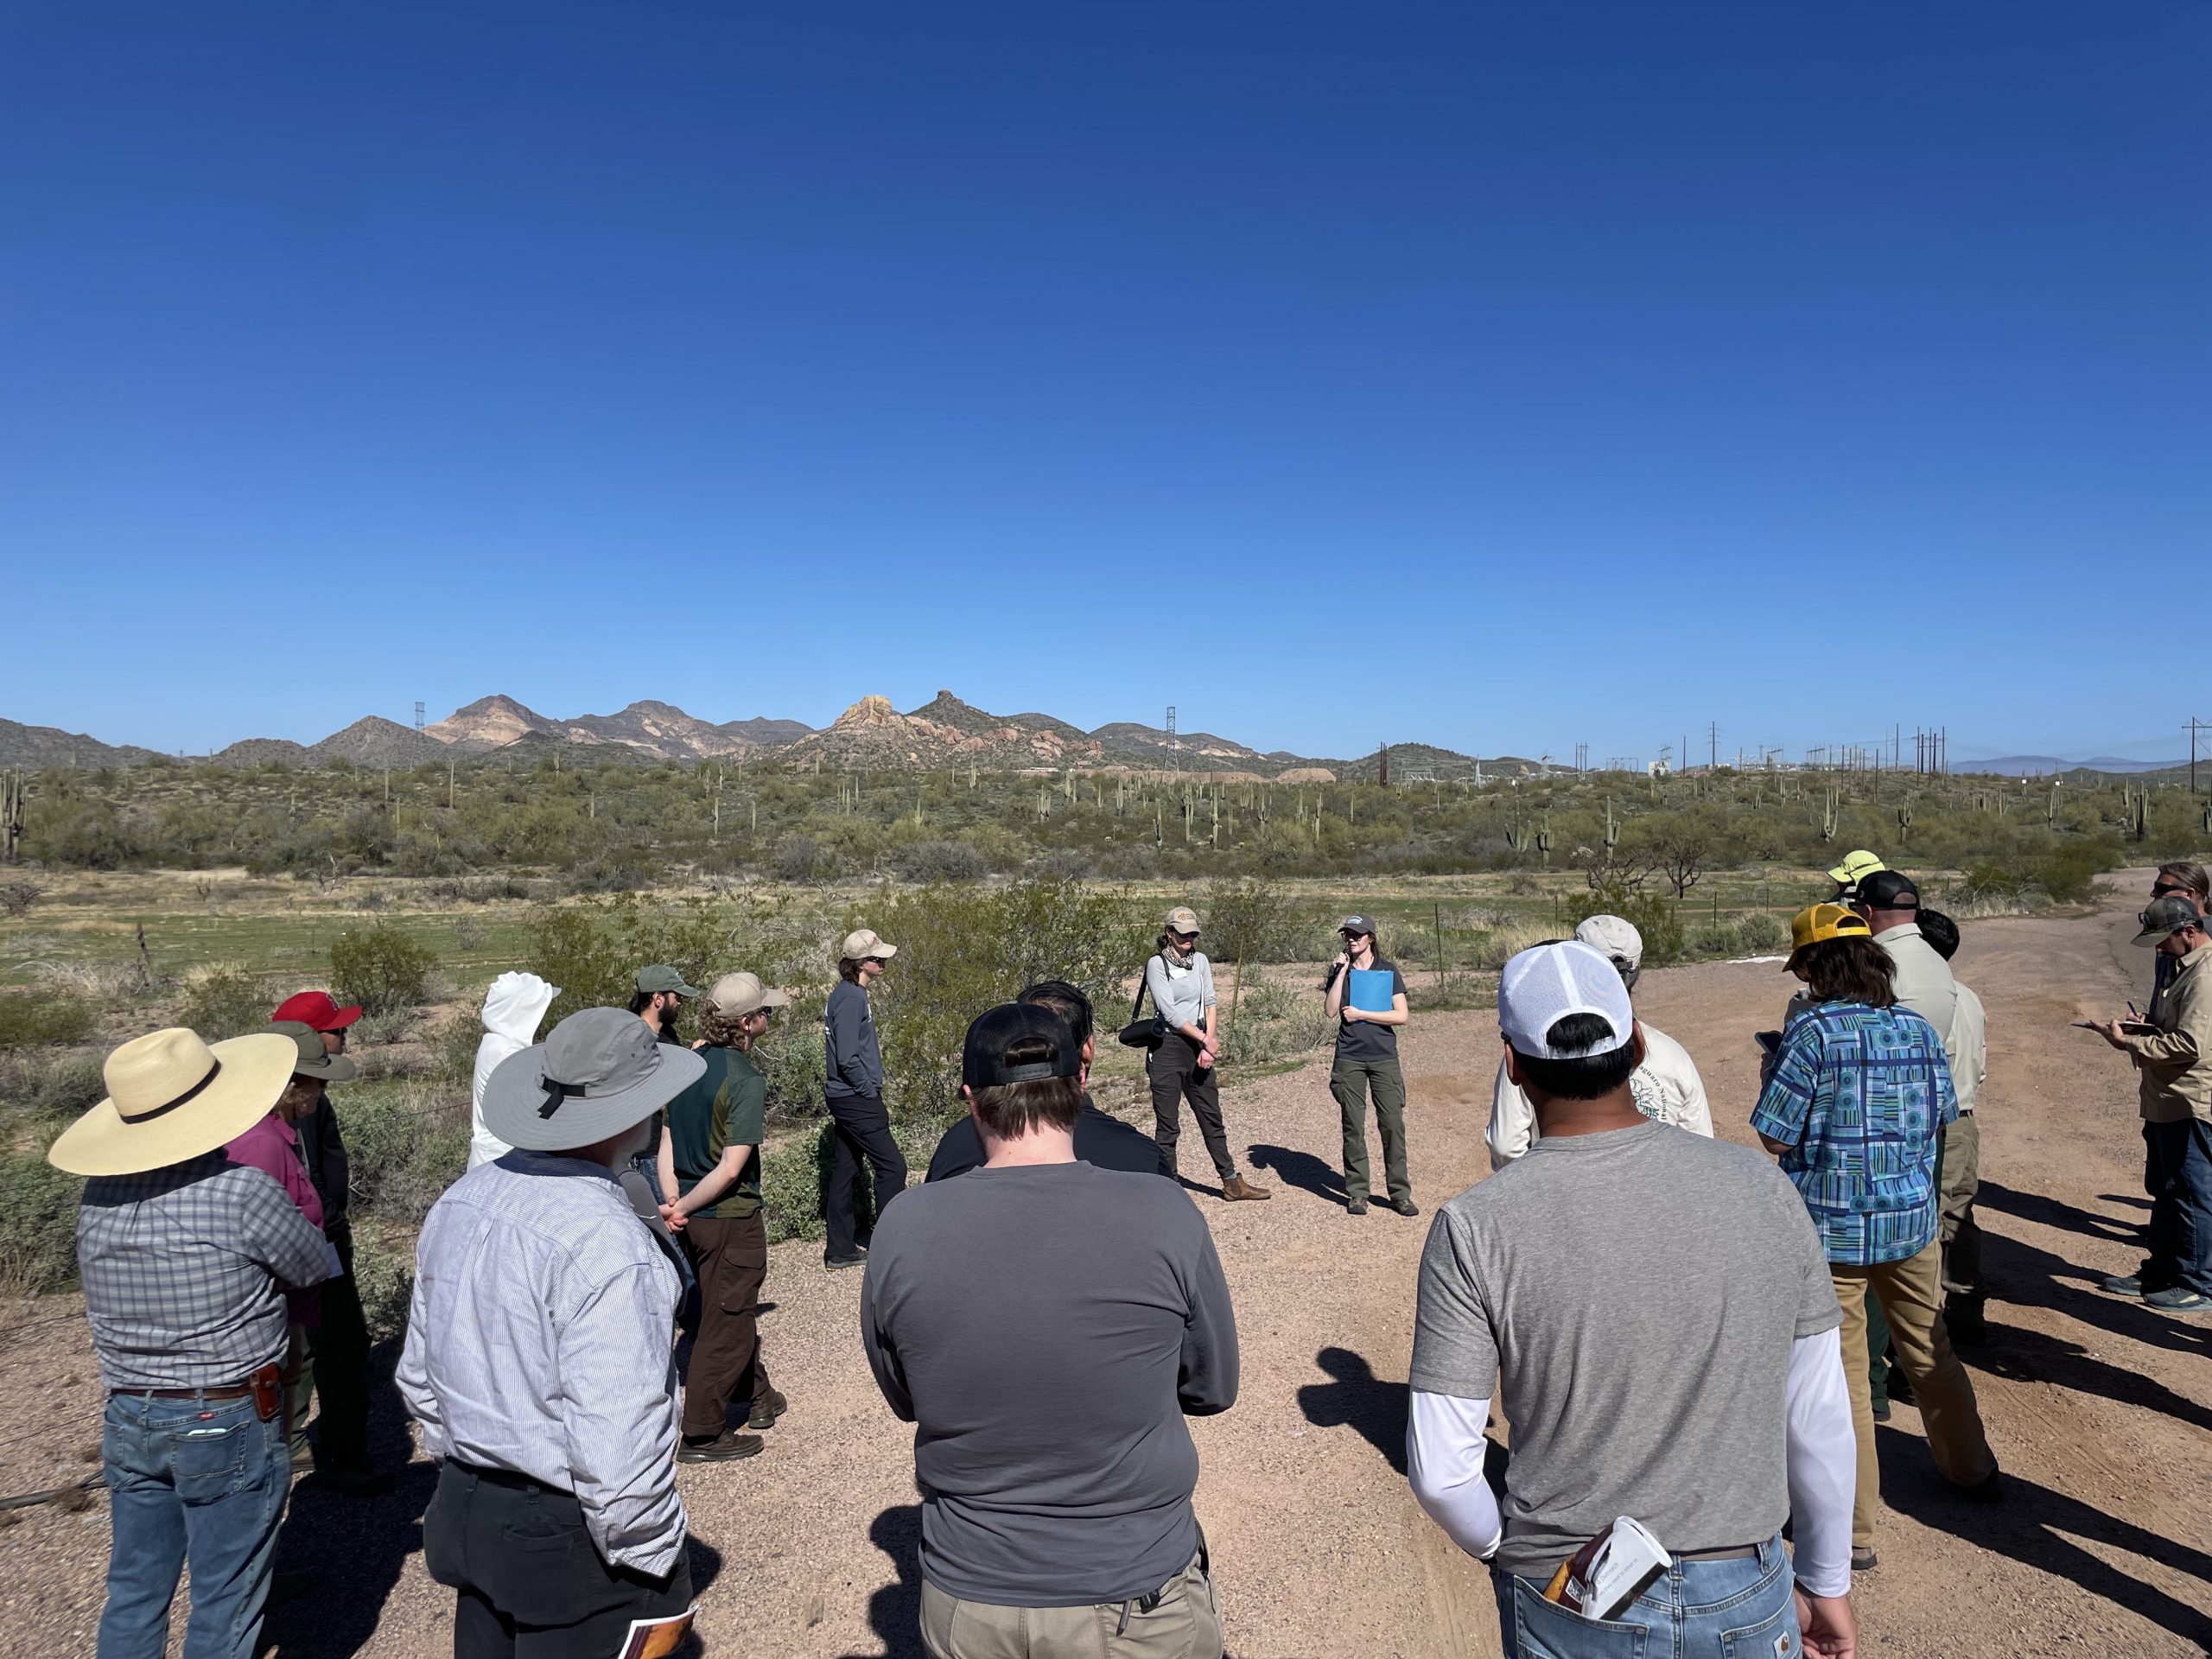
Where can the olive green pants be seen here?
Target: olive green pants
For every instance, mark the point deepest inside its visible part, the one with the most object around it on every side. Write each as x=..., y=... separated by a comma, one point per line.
x=1957, y=1178
x=1352, y=1082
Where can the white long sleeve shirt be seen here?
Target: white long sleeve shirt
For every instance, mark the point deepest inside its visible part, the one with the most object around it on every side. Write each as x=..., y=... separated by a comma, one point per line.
x=1446, y=1448
x=1666, y=1086
x=539, y=1341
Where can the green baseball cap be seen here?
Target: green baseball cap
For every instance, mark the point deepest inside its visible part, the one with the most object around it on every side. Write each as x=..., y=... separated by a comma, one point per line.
x=662, y=977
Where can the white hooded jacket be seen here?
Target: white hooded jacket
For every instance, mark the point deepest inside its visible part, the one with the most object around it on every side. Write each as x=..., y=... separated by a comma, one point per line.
x=513, y=1009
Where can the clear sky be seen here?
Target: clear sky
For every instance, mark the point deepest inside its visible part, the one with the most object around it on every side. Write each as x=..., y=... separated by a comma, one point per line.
x=1501, y=376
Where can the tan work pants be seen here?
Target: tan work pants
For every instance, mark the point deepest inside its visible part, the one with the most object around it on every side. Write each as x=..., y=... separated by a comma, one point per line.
x=1184, y=1625
x=1912, y=1297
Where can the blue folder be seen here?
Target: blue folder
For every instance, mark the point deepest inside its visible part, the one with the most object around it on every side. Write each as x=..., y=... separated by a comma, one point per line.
x=1370, y=990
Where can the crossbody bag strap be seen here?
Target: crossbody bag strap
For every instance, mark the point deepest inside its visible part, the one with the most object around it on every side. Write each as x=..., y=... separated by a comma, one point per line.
x=1143, y=985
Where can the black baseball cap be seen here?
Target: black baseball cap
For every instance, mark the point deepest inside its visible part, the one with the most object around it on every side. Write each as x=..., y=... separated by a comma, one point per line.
x=983, y=1056
x=1888, y=890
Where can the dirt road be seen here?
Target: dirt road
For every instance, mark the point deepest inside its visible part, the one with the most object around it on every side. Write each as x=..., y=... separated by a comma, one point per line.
x=2098, y=1408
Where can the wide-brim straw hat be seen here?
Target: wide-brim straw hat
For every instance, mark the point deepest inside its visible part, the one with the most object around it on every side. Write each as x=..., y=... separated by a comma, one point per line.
x=599, y=1072
x=172, y=1096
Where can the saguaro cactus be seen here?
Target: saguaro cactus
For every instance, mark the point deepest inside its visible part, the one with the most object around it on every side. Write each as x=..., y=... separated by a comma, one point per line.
x=1904, y=824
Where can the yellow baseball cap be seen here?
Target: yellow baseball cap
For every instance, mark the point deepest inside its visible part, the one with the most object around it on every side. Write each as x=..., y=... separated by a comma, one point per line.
x=1821, y=922
x=1856, y=867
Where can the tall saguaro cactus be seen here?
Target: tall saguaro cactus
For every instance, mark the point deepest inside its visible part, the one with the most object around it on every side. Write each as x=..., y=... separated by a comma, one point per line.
x=11, y=817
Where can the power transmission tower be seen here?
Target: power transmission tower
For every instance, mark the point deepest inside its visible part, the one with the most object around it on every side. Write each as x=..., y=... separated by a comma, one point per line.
x=418, y=714
x=1174, y=754
x=1713, y=761
x=2194, y=725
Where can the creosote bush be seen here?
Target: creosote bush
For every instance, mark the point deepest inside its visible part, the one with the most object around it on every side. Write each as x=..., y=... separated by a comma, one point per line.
x=29, y=1019
x=380, y=967
x=224, y=1001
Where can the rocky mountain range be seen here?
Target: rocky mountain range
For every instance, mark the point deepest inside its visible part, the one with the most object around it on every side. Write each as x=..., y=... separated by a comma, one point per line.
x=943, y=733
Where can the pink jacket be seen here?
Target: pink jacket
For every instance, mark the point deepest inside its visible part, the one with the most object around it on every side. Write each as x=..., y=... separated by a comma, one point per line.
x=273, y=1147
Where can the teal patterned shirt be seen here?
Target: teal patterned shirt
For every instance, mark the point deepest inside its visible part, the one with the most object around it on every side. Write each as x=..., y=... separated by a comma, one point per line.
x=1858, y=1094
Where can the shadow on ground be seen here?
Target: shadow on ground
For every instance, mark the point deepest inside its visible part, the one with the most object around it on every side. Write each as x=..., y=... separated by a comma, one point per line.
x=1357, y=1398
x=894, y=1612
x=1299, y=1169
x=2039, y=1526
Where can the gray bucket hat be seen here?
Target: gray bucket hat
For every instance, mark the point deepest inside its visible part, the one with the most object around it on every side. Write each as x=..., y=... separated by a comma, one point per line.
x=600, y=1071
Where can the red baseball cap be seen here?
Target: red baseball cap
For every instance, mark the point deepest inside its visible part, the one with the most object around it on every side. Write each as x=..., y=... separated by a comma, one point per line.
x=316, y=1008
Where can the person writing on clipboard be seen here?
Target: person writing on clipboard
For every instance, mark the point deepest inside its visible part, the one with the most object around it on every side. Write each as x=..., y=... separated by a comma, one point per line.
x=1181, y=1068
x=1366, y=996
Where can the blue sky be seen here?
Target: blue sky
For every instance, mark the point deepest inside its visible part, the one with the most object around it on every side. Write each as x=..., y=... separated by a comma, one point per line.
x=1502, y=378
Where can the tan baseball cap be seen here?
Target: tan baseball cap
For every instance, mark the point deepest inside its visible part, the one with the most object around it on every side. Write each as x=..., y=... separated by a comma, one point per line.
x=861, y=943
x=1182, y=919
x=734, y=994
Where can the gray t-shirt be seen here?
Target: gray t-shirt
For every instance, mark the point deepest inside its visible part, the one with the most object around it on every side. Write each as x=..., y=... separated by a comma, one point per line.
x=1630, y=1300
x=1046, y=1328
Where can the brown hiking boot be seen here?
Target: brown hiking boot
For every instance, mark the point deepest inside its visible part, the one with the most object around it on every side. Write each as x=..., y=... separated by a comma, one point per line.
x=1236, y=1186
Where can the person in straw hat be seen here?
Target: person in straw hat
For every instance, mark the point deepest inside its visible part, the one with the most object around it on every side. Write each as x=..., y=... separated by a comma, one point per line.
x=538, y=1358
x=853, y=1090
x=184, y=1257
x=710, y=1169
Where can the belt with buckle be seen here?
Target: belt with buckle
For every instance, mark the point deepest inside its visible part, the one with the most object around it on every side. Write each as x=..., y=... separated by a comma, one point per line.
x=1731, y=1553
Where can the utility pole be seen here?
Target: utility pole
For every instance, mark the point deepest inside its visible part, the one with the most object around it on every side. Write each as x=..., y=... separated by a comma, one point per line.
x=1712, y=758
x=2194, y=725
x=1382, y=766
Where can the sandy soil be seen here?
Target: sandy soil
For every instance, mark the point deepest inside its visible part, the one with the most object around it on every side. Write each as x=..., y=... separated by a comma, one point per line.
x=2098, y=1408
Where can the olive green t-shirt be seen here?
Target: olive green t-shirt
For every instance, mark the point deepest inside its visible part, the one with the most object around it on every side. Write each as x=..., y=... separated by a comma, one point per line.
x=723, y=1109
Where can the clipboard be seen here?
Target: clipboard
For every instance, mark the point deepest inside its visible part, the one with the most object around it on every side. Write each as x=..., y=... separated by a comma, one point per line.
x=1372, y=990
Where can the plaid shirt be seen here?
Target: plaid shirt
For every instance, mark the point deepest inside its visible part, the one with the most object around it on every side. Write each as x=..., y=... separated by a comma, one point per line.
x=181, y=1268
x=1858, y=1093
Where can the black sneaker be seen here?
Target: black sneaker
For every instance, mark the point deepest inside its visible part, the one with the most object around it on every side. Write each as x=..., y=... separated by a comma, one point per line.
x=1863, y=1559
x=1405, y=1206
x=725, y=1447
x=2124, y=1284
x=833, y=1263
x=765, y=1412
x=2178, y=1299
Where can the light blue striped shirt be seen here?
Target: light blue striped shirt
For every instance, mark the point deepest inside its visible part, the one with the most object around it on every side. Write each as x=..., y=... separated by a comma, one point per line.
x=539, y=1341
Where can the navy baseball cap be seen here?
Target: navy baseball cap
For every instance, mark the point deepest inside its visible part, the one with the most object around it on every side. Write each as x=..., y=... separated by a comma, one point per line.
x=994, y=1035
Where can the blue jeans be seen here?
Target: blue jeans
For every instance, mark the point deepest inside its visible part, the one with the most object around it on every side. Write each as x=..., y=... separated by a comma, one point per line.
x=1696, y=1610
x=2177, y=1174
x=203, y=1480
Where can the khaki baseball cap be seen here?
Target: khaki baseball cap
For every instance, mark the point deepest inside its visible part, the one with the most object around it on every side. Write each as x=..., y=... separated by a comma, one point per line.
x=1182, y=919
x=741, y=993
x=861, y=943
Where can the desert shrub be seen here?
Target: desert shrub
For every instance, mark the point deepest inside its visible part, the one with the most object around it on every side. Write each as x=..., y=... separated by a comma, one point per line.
x=797, y=858
x=50, y=1085
x=453, y=1044
x=17, y=896
x=2064, y=873
x=224, y=1001
x=1762, y=933
x=407, y=1143
x=380, y=968
x=1065, y=864
x=960, y=950
x=1273, y=1018
x=1491, y=948
x=38, y=1224
x=941, y=861
x=1652, y=915
x=1254, y=921
x=43, y=1017
x=384, y=1274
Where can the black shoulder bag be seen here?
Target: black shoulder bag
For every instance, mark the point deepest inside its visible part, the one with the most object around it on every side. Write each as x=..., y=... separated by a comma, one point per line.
x=1144, y=1033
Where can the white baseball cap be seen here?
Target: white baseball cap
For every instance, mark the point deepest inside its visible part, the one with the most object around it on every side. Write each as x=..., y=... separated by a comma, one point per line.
x=1543, y=985
x=861, y=943
x=1612, y=935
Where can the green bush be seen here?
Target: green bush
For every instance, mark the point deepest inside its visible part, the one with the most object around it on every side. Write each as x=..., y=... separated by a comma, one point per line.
x=407, y=1141
x=1273, y=1018
x=384, y=1274
x=962, y=950
x=1653, y=915
x=54, y=1086
x=38, y=1225
x=1255, y=921
x=380, y=968
x=45, y=1017
x=225, y=1001
x=795, y=1173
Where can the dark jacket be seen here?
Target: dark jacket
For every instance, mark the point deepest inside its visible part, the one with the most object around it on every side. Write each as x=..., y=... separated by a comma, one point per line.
x=1101, y=1139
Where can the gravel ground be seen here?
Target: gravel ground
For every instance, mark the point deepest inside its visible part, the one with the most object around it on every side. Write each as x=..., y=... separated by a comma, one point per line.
x=2097, y=1408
